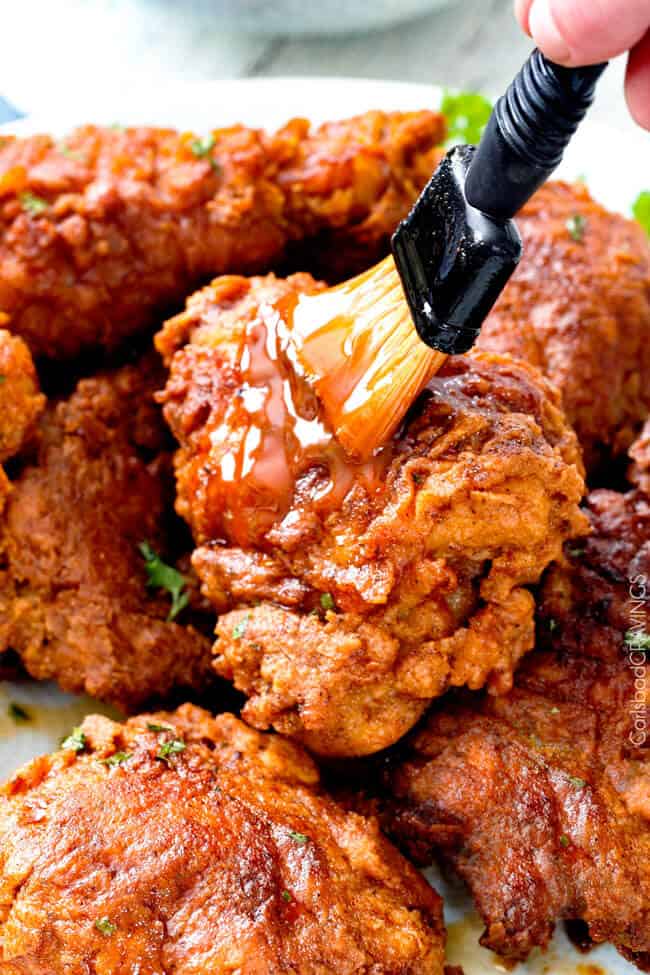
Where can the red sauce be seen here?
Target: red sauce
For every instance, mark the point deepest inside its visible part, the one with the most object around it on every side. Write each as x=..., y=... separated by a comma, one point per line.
x=279, y=451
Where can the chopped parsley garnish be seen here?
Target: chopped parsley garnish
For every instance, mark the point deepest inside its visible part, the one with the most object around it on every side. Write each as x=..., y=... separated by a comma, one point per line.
x=326, y=601
x=69, y=153
x=576, y=782
x=3, y=379
x=299, y=838
x=106, y=926
x=554, y=711
x=641, y=210
x=33, y=204
x=576, y=225
x=286, y=896
x=158, y=727
x=18, y=713
x=169, y=748
x=240, y=628
x=116, y=759
x=75, y=742
x=552, y=624
x=564, y=840
x=576, y=551
x=201, y=147
x=163, y=576
x=467, y=114
x=638, y=640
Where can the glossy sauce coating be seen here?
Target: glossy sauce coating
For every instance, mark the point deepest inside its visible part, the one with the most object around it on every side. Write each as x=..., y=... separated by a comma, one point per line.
x=271, y=449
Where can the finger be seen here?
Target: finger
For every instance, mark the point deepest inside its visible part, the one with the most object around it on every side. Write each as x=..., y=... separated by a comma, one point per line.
x=637, y=82
x=522, y=11
x=573, y=32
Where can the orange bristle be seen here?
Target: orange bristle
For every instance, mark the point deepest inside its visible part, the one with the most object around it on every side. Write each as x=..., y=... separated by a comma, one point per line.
x=362, y=355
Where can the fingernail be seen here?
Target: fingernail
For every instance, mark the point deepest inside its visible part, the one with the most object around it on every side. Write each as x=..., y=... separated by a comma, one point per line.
x=546, y=33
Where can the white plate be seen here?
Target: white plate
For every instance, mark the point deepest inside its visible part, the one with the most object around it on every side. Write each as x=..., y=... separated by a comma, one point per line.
x=596, y=156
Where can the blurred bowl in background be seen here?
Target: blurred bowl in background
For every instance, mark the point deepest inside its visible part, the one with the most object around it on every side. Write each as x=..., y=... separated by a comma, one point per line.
x=316, y=17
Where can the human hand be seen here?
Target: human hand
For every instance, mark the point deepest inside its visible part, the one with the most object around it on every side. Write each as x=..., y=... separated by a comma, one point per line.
x=575, y=32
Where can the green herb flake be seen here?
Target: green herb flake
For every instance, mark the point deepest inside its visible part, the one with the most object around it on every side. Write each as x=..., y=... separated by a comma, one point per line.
x=158, y=727
x=163, y=576
x=554, y=711
x=467, y=114
x=66, y=151
x=202, y=148
x=637, y=640
x=576, y=782
x=575, y=551
x=105, y=925
x=33, y=204
x=3, y=379
x=75, y=742
x=240, y=628
x=299, y=838
x=18, y=714
x=641, y=210
x=576, y=225
x=286, y=896
x=168, y=748
x=564, y=840
x=552, y=624
x=327, y=602
x=117, y=759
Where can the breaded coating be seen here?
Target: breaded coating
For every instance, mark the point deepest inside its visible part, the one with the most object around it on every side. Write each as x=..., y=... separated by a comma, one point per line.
x=578, y=308
x=585, y=604
x=639, y=473
x=181, y=842
x=357, y=593
x=21, y=401
x=104, y=229
x=74, y=602
x=541, y=799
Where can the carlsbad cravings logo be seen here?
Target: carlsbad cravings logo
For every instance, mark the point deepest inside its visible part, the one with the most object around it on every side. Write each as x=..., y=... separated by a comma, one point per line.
x=637, y=645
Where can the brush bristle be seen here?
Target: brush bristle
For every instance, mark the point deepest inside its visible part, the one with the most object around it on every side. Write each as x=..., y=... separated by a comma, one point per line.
x=361, y=352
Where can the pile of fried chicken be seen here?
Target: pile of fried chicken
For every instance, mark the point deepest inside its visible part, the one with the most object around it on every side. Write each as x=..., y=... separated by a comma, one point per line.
x=457, y=636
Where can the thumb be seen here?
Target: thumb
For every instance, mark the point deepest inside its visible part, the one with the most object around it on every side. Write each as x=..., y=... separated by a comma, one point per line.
x=574, y=32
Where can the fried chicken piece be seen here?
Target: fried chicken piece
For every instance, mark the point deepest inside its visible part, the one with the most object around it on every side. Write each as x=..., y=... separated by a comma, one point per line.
x=578, y=308
x=181, y=842
x=21, y=402
x=100, y=232
x=540, y=800
x=74, y=603
x=357, y=593
x=584, y=606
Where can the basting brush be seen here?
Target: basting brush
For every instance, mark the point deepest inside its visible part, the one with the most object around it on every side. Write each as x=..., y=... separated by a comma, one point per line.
x=370, y=345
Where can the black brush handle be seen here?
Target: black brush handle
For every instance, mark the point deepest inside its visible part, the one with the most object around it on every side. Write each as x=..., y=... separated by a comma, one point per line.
x=527, y=133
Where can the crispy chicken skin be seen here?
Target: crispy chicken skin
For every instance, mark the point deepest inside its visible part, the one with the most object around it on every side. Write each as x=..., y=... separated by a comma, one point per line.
x=21, y=402
x=73, y=597
x=225, y=856
x=100, y=231
x=346, y=620
x=541, y=799
x=579, y=310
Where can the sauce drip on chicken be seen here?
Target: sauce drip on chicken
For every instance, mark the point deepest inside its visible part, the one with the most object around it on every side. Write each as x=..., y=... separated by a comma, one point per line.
x=283, y=448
